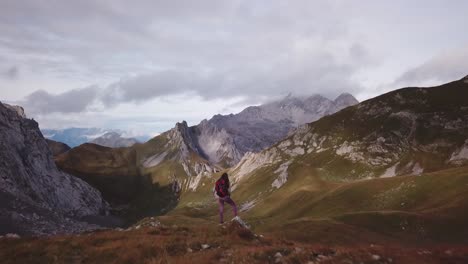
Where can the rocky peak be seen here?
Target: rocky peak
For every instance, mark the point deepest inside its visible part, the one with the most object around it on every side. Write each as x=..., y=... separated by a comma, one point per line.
x=249, y=113
x=111, y=135
x=18, y=109
x=228, y=137
x=114, y=140
x=182, y=125
x=204, y=122
x=289, y=101
x=182, y=139
x=344, y=100
x=186, y=134
x=465, y=79
x=316, y=97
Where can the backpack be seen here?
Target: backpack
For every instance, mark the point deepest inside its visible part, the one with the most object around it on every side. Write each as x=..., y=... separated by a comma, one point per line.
x=222, y=188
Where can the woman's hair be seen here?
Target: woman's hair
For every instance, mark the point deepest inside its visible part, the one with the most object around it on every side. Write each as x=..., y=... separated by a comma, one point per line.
x=225, y=177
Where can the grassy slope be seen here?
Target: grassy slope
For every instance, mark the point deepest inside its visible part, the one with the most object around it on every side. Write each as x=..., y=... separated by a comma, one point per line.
x=112, y=171
x=182, y=240
x=430, y=207
x=377, y=117
x=118, y=173
x=319, y=190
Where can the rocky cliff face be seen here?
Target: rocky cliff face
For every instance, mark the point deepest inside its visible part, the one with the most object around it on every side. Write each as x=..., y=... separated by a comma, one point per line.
x=181, y=145
x=216, y=144
x=225, y=139
x=18, y=109
x=29, y=178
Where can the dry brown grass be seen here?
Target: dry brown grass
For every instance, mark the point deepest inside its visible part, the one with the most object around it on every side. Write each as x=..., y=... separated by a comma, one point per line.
x=228, y=244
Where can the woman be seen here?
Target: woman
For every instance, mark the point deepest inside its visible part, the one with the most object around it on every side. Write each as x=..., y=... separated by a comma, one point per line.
x=222, y=191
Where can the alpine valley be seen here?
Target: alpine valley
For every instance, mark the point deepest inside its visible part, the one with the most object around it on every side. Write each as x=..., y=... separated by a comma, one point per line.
x=315, y=180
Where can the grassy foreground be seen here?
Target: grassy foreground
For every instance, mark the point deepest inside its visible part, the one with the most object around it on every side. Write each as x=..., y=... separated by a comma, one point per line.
x=394, y=220
x=407, y=219
x=165, y=240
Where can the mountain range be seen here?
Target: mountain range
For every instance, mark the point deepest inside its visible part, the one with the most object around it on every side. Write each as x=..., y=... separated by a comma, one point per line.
x=392, y=170
x=179, y=157
x=107, y=137
x=394, y=166
x=224, y=139
x=114, y=140
x=410, y=131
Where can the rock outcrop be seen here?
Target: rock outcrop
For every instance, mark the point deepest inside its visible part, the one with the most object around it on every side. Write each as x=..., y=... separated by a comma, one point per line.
x=224, y=139
x=183, y=147
x=18, y=109
x=36, y=196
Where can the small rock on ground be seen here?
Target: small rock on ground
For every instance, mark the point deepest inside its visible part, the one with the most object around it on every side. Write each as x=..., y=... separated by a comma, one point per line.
x=205, y=246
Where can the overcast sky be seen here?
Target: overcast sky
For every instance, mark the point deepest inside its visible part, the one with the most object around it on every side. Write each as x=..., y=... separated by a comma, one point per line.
x=144, y=65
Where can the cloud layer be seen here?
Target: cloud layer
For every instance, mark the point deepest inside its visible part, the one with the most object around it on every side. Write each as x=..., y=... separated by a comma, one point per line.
x=82, y=57
x=213, y=49
x=448, y=66
x=73, y=101
x=11, y=73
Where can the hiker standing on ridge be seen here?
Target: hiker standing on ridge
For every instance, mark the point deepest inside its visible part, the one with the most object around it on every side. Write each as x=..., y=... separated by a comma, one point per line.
x=222, y=192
